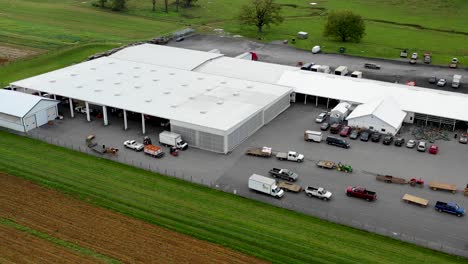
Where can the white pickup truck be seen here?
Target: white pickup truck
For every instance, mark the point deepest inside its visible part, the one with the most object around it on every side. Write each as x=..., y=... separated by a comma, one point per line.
x=291, y=156
x=132, y=144
x=320, y=193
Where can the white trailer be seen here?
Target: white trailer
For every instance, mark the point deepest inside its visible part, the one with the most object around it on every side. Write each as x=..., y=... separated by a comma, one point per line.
x=265, y=185
x=356, y=74
x=341, y=70
x=314, y=136
x=168, y=138
x=456, y=81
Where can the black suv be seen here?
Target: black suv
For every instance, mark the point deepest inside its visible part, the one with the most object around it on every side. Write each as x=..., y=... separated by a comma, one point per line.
x=376, y=137
x=365, y=136
x=399, y=142
x=388, y=139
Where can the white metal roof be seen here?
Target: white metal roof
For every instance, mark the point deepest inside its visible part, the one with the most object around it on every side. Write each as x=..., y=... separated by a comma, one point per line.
x=411, y=99
x=386, y=110
x=18, y=104
x=245, y=69
x=206, y=100
x=172, y=57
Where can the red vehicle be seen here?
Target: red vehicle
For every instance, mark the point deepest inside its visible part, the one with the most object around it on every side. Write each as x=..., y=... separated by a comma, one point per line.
x=345, y=131
x=433, y=149
x=335, y=128
x=360, y=192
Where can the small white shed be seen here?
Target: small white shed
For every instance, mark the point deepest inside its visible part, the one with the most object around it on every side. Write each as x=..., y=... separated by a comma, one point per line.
x=384, y=116
x=339, y=112
x=23, y=112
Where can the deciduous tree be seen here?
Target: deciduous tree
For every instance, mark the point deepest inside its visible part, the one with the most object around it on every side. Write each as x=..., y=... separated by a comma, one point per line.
x=261, y=13
x=345, y=25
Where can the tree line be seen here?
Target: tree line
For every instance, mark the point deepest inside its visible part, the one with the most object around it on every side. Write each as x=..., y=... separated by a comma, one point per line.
x=119, y=5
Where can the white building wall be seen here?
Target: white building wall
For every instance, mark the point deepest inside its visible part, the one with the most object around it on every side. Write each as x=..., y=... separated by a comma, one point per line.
x=11, y=122
x=373, y=123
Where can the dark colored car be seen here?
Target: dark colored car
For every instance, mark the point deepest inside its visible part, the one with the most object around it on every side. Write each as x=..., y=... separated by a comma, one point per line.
x=354, y=134
x=432, y=80
x=345, y=131
x=339, y=142
x=399, y=141
x=376, y=137
x=307, y=66
x=365, y=136
x=324, y=126
x=388, y=139
x=335, y=128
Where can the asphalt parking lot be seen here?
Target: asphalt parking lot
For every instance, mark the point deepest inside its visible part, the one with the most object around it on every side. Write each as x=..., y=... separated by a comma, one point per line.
x=398, y=70
x=388, y=215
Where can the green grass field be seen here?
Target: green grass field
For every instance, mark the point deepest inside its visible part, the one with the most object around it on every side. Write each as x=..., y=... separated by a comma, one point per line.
x=255, y=228
x=53, y=25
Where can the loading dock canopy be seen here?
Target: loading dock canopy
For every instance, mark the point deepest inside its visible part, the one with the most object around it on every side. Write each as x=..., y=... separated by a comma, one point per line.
x=205, y=100
x=411, y=99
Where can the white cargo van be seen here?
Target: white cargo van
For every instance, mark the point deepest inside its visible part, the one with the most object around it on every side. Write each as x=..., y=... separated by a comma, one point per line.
x=341, y=70
x=168, y=138
x=315, y=68
x=356, y=74
x=314, y=136
x=265, y=185
x=456, y=81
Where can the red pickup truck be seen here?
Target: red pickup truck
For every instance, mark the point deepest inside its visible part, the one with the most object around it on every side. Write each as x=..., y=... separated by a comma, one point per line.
x=361, y=192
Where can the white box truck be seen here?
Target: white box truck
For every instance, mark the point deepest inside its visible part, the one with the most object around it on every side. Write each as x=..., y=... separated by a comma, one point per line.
x=341, y=70
x=265, y=185
x=314, y=136
x=168, y=138
x=456, y=81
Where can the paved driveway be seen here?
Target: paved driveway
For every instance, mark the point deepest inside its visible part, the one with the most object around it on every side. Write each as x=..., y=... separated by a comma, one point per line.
x=398, y=70
x=388, y=215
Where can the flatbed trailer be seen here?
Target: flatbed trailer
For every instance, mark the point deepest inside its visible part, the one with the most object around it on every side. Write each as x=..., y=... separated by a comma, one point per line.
x=390, y=179
x=408, y=198
x=289, y=187
x=442, y=186
x=326, y=164
x=264, y=152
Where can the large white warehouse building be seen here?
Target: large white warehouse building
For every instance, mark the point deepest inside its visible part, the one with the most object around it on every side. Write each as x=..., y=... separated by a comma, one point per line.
x=216, y=102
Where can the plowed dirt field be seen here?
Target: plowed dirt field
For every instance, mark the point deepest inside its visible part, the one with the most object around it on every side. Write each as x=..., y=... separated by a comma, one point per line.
x=104, y=232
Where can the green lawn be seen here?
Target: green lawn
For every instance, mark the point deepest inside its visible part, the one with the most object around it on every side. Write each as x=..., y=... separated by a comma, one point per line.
x=258, y=229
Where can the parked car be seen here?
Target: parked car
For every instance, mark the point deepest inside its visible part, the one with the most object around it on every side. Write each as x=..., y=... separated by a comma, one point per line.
x=376, y=137
x=132, y=144
x=82, y=109
x=345, y=131
x=411, y=143
x=335, y=128
x=307, y=66
x=463, y=138
x=365, y=136
x=339, y=142
x=284, y=174
x=325, y=126
x=321, y=117
x=399, y=141
x=354, y=134
x=441, y=82
x=372, y=66
x=388, y=139
x=451, y=208
x=432, y=80
x=361, y=192
x=422, y=146
x=433, y=149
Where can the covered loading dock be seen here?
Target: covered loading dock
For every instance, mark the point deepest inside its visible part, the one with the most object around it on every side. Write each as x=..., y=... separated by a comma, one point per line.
x=24, y=112
x=211, y=112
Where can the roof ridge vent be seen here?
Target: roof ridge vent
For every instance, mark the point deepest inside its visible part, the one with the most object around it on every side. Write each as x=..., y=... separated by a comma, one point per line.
x=93, y=69
x=136, y=76
x=117, y=94
x=79, y=86
x=236, y=94
x=174, y=106
x=52, y=81
x=155, y=80
x=220, y=102
x=137, y=87
x=148, y=100
x=73, y=74
x=203, y=112
x=119, y=73
x=116, y=83
x=191, y=97
x=97, y=90
x=136, y=67
x=200, y=78
x=184, y=85
x=99, y=79
x=223, y=82
x=167, y=92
